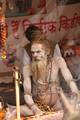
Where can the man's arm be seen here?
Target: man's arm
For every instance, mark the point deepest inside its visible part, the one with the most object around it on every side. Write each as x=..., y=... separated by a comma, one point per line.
x=27, y=91
x=67, y=75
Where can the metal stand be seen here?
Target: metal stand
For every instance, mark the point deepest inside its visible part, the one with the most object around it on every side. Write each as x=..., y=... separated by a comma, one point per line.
x=16, y=76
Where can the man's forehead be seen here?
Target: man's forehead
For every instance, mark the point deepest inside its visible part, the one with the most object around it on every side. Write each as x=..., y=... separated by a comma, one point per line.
x=36, y=46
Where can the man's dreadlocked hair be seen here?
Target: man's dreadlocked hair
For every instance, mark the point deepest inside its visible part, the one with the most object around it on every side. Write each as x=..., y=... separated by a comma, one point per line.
x=32, y=31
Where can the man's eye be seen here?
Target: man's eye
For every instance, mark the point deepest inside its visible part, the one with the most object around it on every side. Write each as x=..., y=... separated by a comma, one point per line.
x=32, y=52
x=38, y=51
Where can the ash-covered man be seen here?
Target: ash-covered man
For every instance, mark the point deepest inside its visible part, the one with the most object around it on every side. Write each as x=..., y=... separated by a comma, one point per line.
x=45, y=77
x=46, y=72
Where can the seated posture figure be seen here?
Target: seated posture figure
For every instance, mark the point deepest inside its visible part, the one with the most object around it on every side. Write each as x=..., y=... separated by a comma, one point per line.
x=42, y=77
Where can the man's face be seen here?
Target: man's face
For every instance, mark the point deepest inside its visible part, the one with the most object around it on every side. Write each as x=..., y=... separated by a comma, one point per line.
x=38, y=52
x=39, y=61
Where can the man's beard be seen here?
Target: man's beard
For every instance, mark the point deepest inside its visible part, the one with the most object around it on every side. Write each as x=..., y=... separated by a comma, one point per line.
x=39, y=70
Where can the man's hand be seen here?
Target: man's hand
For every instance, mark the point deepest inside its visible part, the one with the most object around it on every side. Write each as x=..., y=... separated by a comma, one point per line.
x=76, y=97
x=36, y=110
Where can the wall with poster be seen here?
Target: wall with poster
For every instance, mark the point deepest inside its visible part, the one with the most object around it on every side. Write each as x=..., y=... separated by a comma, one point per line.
x=59, y=19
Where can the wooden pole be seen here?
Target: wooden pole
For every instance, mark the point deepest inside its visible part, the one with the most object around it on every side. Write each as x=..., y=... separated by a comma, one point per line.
x=16, y=75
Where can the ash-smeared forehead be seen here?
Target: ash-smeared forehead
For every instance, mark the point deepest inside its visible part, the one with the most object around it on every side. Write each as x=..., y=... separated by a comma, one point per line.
x=36, y=47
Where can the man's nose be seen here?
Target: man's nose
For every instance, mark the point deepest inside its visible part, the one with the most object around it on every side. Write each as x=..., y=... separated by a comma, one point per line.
x=0, y=8
x=35, y=54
